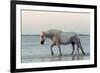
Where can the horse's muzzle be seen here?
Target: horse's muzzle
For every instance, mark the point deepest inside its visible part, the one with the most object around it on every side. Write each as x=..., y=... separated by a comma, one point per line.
x=42, y=42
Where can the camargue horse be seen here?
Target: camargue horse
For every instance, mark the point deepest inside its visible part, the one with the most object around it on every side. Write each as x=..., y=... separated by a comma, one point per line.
x=61, y=38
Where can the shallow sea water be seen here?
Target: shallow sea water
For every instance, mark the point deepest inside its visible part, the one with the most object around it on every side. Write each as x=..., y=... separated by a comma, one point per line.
x=33, y=51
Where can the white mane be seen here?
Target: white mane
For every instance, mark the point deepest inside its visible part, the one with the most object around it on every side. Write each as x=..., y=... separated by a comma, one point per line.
x=54, y=31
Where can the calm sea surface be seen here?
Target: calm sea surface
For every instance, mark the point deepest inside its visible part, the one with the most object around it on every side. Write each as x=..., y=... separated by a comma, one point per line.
x=33, y=51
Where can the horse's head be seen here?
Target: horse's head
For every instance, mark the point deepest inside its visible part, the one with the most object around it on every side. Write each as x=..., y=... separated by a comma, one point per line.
x=42, y=38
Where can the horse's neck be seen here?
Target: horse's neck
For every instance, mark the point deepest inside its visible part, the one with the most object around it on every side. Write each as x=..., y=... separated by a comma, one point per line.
x=49, y=35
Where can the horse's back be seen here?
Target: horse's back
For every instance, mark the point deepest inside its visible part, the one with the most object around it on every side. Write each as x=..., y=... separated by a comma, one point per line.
x=53, y=31
x=68, y=34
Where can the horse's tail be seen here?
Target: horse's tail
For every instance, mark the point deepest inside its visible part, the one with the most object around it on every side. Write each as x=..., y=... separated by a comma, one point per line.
x=80, y=46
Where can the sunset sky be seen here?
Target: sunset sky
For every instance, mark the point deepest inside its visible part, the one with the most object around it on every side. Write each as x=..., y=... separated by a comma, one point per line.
x=33, y=22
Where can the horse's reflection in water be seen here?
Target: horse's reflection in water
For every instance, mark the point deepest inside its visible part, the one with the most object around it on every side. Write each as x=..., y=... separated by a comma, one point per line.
x=57, y=58
x=61, y=58
x=77, y=57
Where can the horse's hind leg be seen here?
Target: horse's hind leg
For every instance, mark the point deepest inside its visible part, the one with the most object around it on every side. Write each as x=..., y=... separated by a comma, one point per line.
x=82, y=49
x=80, y=46
x=73, y=45
x=51, y=49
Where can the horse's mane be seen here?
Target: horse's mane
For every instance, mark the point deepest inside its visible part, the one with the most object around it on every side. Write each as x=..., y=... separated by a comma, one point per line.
x=54, y=31
x=59, y=33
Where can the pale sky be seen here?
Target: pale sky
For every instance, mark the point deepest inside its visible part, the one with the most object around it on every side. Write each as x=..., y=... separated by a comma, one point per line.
x=33, y=22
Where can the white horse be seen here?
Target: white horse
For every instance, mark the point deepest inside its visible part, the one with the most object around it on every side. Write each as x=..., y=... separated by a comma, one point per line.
x=61, y=38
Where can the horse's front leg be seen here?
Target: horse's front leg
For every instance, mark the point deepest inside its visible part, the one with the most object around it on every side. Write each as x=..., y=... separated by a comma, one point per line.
x=78, y=48
x=51, y=49
x=59, y=49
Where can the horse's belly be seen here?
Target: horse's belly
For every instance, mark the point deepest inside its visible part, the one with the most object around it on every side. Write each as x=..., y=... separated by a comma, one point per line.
x=65, y=41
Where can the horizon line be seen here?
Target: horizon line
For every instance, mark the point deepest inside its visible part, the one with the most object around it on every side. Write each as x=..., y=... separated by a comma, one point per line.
x=39, y=34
